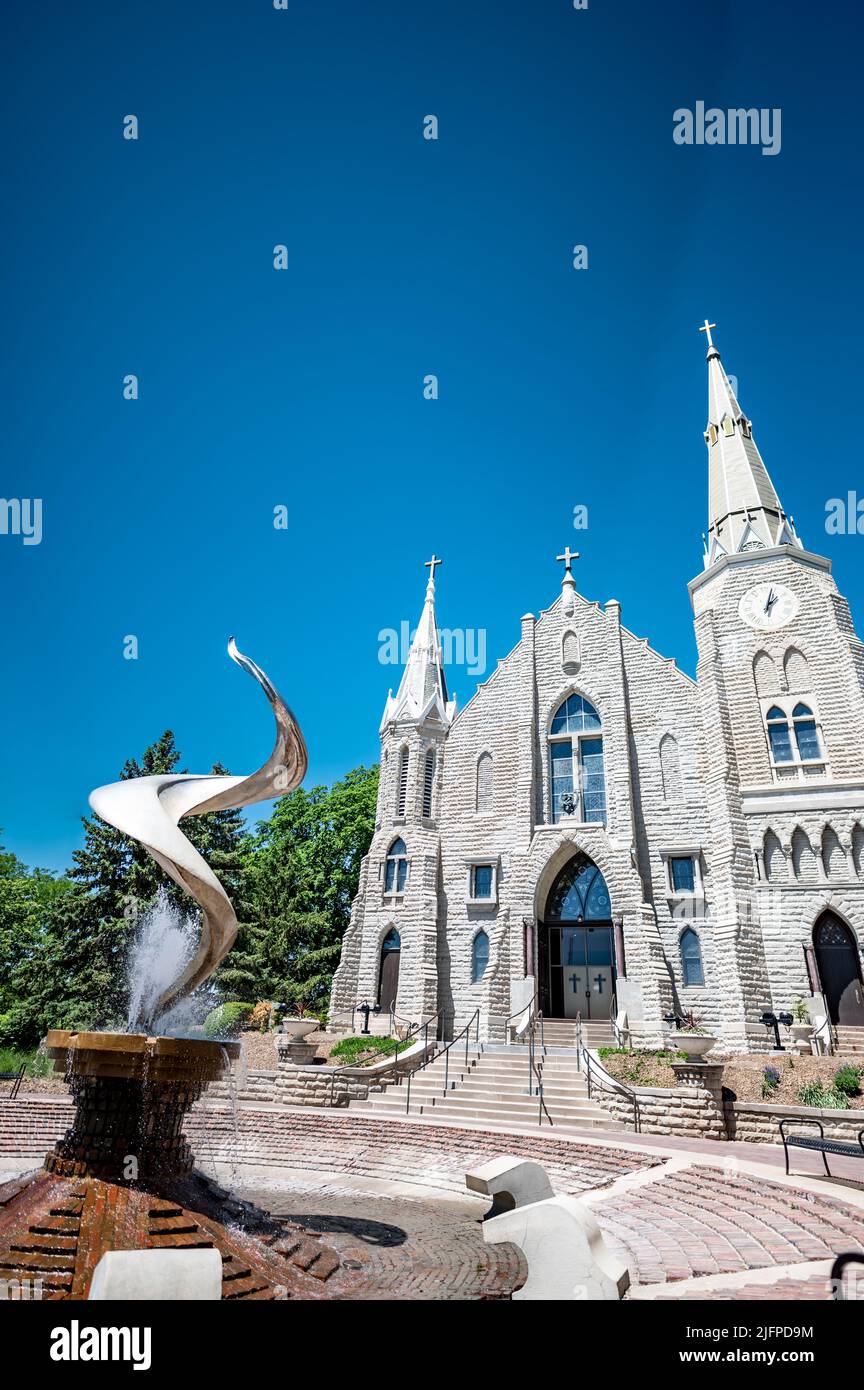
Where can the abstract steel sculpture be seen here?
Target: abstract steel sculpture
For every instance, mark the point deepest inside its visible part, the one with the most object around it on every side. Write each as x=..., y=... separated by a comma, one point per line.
x=148, y=810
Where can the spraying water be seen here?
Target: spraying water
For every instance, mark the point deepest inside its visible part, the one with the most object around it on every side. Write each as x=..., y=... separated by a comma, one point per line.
x=164, y=944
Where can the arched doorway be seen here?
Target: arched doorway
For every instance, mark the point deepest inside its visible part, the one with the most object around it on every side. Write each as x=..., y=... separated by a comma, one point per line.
x=839, y=970
x=388, y=974
x=576, y=959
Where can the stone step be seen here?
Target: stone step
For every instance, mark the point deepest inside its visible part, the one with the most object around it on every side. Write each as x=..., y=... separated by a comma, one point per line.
x=397, y=1095
x=529, y=1116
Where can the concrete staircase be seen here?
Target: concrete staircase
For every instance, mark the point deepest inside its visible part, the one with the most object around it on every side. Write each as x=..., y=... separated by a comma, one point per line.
x=850, y=1041
x=561, y=1032
x=492, y=1091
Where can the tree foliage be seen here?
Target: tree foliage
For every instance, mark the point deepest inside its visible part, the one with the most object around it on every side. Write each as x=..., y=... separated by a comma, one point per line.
x=64, y=940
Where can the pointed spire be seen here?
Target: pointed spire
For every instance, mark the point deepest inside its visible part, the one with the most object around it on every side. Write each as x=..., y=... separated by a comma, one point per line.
x=422, y=692
x=744, y=509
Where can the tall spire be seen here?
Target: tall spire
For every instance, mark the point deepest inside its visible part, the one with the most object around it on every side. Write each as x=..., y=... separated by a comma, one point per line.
x=744, y=510
x=422, y=693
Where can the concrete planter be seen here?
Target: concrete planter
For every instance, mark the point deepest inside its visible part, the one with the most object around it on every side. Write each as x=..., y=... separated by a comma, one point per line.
x=300, y=1027
x=695, y=1045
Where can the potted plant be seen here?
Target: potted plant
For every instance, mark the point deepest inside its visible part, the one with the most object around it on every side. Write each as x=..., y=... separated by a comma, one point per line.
x=302, y=1023
x=802, y=1028
x=694, y=1040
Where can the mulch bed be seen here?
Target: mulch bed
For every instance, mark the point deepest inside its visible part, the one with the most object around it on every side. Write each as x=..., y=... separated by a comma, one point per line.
x=743, y=1074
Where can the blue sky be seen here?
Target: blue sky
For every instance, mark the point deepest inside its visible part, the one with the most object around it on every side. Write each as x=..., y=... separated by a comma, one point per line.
x=406, y=257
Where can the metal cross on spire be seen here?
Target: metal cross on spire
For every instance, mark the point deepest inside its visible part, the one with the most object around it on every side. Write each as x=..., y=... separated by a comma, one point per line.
x=706, y=328
x=568, y=556
x=431, y=564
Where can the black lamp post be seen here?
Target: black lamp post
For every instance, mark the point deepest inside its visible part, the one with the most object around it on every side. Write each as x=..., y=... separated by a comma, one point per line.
x=773, y=1021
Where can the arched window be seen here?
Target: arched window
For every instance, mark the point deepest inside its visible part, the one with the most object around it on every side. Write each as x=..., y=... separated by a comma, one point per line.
x=691, y=958
x=485, y=772
x=796, y=670
x=479, y=956
x=806, y=734
x=396, y=868
x=428, y=783
x=402, y=788
x=858, y=850
x=778, y=735
x=774, y=858
x=579, y=893
x=670, y=766
x=765, y=674
x=728, y=425
x=577, y=778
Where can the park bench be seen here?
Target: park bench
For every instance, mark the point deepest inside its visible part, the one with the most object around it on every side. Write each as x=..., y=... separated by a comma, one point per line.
x=16, y=1077
x=847, y=1148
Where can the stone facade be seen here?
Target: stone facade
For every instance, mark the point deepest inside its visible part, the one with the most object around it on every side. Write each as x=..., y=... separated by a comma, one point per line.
x=689, y=773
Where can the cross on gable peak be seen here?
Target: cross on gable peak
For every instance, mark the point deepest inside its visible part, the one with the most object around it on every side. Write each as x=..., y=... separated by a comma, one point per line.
x=568, y=557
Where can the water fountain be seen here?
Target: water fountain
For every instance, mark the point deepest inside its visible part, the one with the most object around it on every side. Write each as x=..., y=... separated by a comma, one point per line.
x=123, y=1177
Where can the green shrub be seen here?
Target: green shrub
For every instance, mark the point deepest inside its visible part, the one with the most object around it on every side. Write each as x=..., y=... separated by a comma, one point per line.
x=38, y=1063
x=227, y=1020
x=847, y=1079
x=814, y=1093
x=349, y=1049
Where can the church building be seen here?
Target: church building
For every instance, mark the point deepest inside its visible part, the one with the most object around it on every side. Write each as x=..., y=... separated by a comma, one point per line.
x=600, y=832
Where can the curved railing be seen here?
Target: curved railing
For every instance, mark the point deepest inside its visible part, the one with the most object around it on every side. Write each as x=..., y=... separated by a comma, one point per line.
x=827, y=1027
x=473, y=1022
x=412, y=1036
x=531, y=1008
x=537, y=1070
x=600, y=1080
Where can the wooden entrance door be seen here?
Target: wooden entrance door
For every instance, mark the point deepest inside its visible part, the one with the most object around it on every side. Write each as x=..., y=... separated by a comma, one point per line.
x=388, y=978
x=839, y=971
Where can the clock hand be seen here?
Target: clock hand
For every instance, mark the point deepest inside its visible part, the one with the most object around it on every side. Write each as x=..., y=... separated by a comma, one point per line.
x=770, y=601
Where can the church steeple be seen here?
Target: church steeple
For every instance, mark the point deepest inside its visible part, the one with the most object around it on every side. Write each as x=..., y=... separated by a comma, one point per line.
x=744, y=509
x=422, y=693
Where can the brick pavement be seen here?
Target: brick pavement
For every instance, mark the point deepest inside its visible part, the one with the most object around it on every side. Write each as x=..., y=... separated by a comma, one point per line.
x=673, y=1220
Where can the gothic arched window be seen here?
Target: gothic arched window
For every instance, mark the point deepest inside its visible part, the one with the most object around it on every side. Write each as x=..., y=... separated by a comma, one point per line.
x=396, y=868
x=479, y=956
x=691, y=958
x=576, y=772
x=778, y=735
x=485, y=773
x=402, y=787
x=428, y=783
x=806, y=734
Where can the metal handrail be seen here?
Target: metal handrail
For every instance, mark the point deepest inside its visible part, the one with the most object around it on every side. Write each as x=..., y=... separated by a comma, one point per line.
x=613, y=1019
x=402, y=1044
x=535, y=1070
x=603, y=1080
x=831, y=1033
x=533, y=1014
x=474, y=1019
x=16, y=1077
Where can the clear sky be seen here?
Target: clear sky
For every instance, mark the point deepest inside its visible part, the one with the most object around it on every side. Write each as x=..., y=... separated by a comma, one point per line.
x=406, y=257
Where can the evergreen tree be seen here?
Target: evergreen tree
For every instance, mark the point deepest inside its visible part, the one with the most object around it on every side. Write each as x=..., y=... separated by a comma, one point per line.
x=303, y=875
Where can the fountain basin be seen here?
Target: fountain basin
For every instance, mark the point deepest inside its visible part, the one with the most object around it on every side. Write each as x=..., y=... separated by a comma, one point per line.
x=132, y=1094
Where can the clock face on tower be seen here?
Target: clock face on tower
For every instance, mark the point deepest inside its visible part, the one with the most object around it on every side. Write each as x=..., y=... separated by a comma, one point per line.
x=768, y=606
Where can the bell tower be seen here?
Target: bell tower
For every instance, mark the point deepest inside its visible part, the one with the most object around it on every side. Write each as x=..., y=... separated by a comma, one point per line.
x=781, y=682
